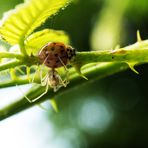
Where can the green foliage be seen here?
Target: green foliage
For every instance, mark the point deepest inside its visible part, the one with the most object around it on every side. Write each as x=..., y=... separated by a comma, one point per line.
x=16, y=28
x=37, y=40
x=17, y=24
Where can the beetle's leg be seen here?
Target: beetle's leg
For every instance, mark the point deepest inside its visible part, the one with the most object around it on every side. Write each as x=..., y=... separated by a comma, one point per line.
x=44, y=80
x=66, y=81
x=37, y=70
x=46, y=90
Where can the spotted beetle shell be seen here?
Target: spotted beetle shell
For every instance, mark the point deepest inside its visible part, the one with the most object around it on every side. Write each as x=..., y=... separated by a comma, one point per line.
x=56, y=54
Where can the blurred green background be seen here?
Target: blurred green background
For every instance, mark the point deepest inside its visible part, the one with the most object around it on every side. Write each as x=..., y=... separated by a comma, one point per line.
x=111, y=112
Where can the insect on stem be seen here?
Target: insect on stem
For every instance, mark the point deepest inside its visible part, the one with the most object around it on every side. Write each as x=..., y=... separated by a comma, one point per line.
x=53, y=55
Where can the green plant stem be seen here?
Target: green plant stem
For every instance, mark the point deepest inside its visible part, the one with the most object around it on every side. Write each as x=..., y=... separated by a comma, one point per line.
x=22, y=47
x=122, y=55
x=97, y=71
x=10, y=64
x=13, y=82
x=136, y=53
x=22, y=60
x=10, y=55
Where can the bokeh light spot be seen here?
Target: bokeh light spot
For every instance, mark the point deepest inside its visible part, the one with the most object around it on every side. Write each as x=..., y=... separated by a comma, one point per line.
x=95, y=115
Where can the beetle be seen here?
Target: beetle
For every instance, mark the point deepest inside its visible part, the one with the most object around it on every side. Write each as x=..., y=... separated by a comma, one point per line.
x=54, y=55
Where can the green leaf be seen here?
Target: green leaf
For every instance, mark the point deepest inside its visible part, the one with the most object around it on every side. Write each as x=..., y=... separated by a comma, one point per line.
x=37, y=40
x=18, y=23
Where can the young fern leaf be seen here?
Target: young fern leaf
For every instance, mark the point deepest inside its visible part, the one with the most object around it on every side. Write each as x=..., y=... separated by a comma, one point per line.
x=37, y=40
x=18, y=23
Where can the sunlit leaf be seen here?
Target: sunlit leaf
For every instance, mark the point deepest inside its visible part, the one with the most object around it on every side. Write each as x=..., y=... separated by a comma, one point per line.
x=18, y=23
x=37, y=40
